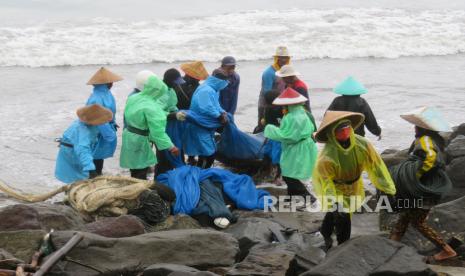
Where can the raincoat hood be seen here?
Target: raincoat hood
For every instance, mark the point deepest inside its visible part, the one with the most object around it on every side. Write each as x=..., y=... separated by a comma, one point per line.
x=332, y=136
x=350, y=87
x=216, y=83
x=154, y=88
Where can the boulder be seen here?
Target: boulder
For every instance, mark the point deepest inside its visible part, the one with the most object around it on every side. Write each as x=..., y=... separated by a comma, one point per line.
x=304, y=222
x=43, y=216
x=22, y=243
x=265, y=259
x=163, y=269
x=8, y=261
x=447, y=219
x=394, y=157
x=371, y=255
x=200, y=273
x=199, y=248
x=458, y=130
x=117, y=227
x=176, y=222
x=456, y=148
x=456, y=172
x=251, y=231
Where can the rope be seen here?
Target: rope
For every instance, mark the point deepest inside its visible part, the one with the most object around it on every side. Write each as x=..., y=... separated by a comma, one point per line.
x=11, y=192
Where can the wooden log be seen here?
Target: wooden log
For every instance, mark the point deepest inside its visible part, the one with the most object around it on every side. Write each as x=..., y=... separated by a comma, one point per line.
x=59, y=254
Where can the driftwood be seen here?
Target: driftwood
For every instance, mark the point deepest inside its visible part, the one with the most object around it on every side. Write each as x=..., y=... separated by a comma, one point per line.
x=59, y=254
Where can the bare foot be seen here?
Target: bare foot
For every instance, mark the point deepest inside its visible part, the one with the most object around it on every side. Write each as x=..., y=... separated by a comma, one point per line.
x=446, y=253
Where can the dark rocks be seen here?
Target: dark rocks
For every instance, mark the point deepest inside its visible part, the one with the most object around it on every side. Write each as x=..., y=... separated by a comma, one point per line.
x=176, y=222
x=165, y=269
x=447, y=219
x=199, y=248
x=456, y=148
x=371, y=255
x=251, y=231
x=393, y=157
x=21, y=243
x=264, y=259
x=456, y=172
x=458, y=130
x=39, y=216
x=117, y=227
x=8, y=261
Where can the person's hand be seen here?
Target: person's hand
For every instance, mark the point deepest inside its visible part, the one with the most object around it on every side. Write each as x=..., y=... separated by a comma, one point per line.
x=262, y=121
x=379, y=137
x=180, y=116
x=174, y=151
x=224, y=118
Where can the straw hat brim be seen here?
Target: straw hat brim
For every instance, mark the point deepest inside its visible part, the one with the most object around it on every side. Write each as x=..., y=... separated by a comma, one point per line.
x=290, y=74
x=332, y=117
x=289, y=101
x=195, y=70
x=94, y=115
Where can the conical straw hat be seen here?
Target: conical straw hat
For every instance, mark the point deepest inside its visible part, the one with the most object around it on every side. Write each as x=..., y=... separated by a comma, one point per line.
x=195, y=70
x=102, y=76
x=94, y=114
x=289, y=97
x=428, y=118
x=332, y=117
x=350, y=86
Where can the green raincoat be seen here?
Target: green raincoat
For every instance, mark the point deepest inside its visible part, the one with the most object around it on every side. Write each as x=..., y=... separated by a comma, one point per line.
x=144, y=111
x=338, y=173
x=299, y=151
x=169, y=100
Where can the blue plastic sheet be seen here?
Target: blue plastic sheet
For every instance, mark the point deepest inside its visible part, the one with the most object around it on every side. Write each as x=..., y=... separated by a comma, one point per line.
x=175, y=130
x=185, y=181
x=272, y=149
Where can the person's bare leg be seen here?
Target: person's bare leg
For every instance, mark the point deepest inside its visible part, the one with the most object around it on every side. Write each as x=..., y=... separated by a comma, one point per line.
x=446, y=253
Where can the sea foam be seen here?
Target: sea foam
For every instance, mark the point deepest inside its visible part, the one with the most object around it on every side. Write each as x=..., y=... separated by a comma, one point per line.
x=253, y=35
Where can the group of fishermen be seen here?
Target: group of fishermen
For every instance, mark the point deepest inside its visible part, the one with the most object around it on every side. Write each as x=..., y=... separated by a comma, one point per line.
x=156, y=110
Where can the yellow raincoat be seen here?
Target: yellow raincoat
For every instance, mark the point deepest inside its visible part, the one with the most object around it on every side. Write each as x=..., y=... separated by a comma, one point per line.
x=338, y=172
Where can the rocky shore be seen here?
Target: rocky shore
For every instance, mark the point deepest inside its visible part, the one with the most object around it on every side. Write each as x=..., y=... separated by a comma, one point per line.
x=258, y=243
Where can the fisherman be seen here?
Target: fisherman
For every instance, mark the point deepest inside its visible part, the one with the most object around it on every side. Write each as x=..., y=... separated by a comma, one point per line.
x=230, y=94
x=422, y=179
x=337, y=178
x=175, y=126
x=146, y=124
x=289, y=75
x=194, y=73
x=270, y=81
x=78, y=143
x=199, y=140
x=102, y=82
x=299, y=150
x=141, y=80
x=351, y=101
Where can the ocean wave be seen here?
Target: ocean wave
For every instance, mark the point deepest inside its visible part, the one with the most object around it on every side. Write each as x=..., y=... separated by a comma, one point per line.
x=253, y=35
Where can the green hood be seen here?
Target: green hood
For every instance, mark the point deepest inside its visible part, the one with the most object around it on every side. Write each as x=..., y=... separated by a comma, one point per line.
x=154, y=88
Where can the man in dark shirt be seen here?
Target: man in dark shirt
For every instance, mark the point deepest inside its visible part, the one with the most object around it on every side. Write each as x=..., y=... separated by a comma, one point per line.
x=230, y=94
x=350, y=89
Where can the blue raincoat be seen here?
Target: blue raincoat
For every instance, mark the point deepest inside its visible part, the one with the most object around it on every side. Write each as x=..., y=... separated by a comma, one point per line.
x=74, y=163
x=198, y=139
x=186, y=181
x=102, y=96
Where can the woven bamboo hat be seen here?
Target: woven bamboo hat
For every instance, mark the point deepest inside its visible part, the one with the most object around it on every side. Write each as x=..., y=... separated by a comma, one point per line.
x=94, y=114
x=332, y=117
x=102, y=76
x=195, y=70
x=428, y=118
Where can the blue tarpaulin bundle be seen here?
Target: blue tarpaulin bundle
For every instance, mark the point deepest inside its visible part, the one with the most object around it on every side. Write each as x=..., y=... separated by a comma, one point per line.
x=235, y=144
x=186, y=181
